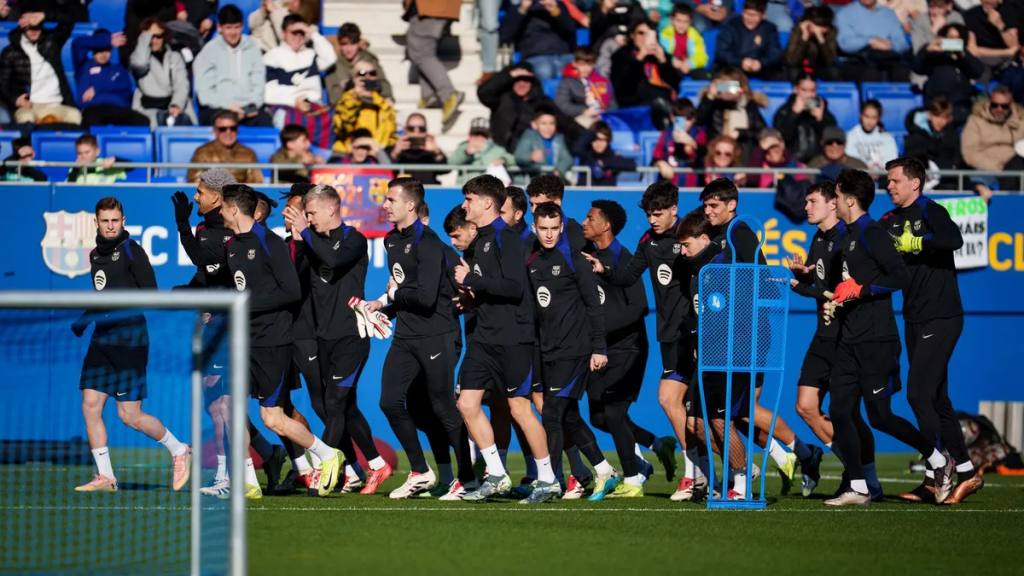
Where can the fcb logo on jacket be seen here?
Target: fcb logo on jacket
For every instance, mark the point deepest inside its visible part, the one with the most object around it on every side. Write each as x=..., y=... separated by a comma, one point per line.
x=69, y=238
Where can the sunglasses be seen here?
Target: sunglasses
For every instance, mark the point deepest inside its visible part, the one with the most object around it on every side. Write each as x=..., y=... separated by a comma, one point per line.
x=226, y=128
x=158, y=36
x=997, y=105
x=834, y=143
x=723, y=153
x=412, y=128
x=367, y=73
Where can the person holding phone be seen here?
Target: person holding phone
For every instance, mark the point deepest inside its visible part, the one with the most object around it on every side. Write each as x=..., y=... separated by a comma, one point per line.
x=729, y=107
x=363, y=106
x=418, y=146
x=950, y=68
x=642, y=73
x=803, y=117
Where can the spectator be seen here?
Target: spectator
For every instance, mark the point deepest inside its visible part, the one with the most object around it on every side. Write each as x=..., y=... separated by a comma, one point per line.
x=993, y=33
x=1012, y=76
x=932, y=137
x=770, y=153
x=362, y=106
x=428, y=19
x=583, y=94
x=924, y=26
x=352, y=49
x=710, y=14
x=684, y=43
x=594, y=152
x=803, y=117
x=363, y=149
x=873, y=38
x=417, y=146
x=487, y=30
x=198, y=13
x=266, y=23
x=91, y=169
x=730, y=107
x=995, y=125
x=104, y=87
x=21, y=153
x=643, y=75
x=868, y=141
x=294, y=88
x=138, y=11
x=32, y=81
x=951, y=71
x=542, y=145
x=681, y=145
x=833, y=158
x=480, y=152
x=295, y=149
x=229, y=73
x=225, y=149
x=610, y=18
x=750, y=43
x=813, y=46
x=163, y=81
x=723, y=154
x=905, y=10
x=783, y=12
x=513, y=95
x=543, y=33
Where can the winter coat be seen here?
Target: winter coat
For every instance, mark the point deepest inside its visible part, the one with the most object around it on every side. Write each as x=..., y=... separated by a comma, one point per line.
x=987, y=144
x=556, y=153
x=696, y=52
x=16, y=68
x=811, y=54
x=292, y=75
x=225, y=74
x=924, y=143
x=538, y=33
x=481, y=159
x=640, y=83
x=802, y=132
x=510, y=114
x=266, y=28
x=711, y=115
x=340, y=77
x=111, y=82
x=215, y=152
x=159, y=76
x=949, y=76
x=377, y=115
x=572, y=95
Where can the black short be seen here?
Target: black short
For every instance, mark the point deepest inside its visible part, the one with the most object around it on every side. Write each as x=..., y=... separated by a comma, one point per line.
x=818, y=362
x=342, y=360
x=871, y=369
x=566, y=378
x=216, y=352
x=714, y=396
x=677, y=361
x=268, y=369
x=621, y=379
x=115, y=370
x=505, y=368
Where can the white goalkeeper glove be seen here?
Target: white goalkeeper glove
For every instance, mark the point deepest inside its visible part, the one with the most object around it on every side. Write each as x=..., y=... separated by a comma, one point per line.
x=370, y=324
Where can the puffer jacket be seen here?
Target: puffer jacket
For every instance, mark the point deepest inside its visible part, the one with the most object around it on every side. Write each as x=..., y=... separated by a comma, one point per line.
x=16, y=68
x=924, y=143
x=987, y=144
x=215, y=152
x=378, y=116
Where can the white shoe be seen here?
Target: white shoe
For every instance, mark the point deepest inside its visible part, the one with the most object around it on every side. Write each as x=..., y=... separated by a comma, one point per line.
x=414, y=484
x=849, y=498
x=219, y=489
x=574, y=489
x=457, y=490
x=352, y=484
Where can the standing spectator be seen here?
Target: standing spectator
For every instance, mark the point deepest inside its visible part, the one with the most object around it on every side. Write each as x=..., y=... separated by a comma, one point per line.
x=513, y=95
x=609, y=18
x=487, y=28
x=932, y=137
x=868, y=141
x=363, y=149
x=104, y=87
x=266, y=23
x=594, y=151
x=803, y=117
x=681, y=145
x=724, y=154
x=417, y=146
x=813, y=46
x=480, y=153
x=833, y=158
x=543, y=33
x=352, y=49
x=925, y=26
x=684, y=43
x=229, y=73
x=32, y=78
x=770, y=153
x=225, y=149
x=295, y=149
x=542, y=145
x=643, y=75
x=362, y=106
x=163, y=88
x=874, y=40
x=996, y=124
x=993, y=33
x=710, y=14
x=951, y=71
x=750, y=43
x=729, y=107
x=428, y=19
x=583, y=94
x=21, y=153
x=198, y=13
x=91, y=169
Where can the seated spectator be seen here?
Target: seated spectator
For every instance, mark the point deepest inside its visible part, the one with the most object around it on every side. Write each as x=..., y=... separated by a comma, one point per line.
x=868, y=141
x=267, y=22
x=750, y=43
x=513, y=95
x=731, y=108
x=924, y=26
x=226, y=149
x=684, y=43
x=594, y=151
x=610, y=18
x=996, y=124
x=905, y=10
x=417, y=146
x=951, y=71
x=932, y=137
x=1012, y=76
x=643, y=75
x=33, y=85
x=993, y=33
x=710, y=14
x=681, y=145
x=295, y=149
x=352, y=49
x=583, y=94
x=813, y=46
x=723, y=154
x=480, y=152
x=542, y=145
x=363, y=107
x=803, y=117
x=783, y=13
x=770, y=153
x=362, y=149
x=21, y=153
x=543, y=33
x=104, y=87
x=294, y=90
x=163, y=88
x=229, y=73
x=873, y=39
x=91, y=169
x=833, y=158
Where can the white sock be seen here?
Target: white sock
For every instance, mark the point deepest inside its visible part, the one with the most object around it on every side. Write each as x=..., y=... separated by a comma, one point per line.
x=302, y=465
x=173, y=445
x=314, y=460
x=377, y=463
x=829, y=444
x=859, y=486
x=637, y=480
x=222, y=468
x=636, y=449
x=965, y=466
x=688, y=463
x=739, y=483
x=102, y=458
x=351, y=472
x=929, y=473
x=472, y=451
x=445, y=474
x=322, y=451
x=250, y=473
x=777, y=452
x=545, y=473
x=791, y=446
x=493, y=461
x=603, y=468
x=936, y=459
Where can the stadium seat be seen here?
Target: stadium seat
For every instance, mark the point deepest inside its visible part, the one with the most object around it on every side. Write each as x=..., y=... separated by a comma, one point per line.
x=710, y=40
x=551, y=86
x=263, y=141
x=899, y=136
x=691, y=89
x=583, y=36
x=777, y=93
x=638, y=118
x=55, y=147
x=897, y=100
x=843, y=101
x=6, y=137
x=107, y=14
x=177, y=144
x=648, y=139
x=623, y=141
x=132, y=143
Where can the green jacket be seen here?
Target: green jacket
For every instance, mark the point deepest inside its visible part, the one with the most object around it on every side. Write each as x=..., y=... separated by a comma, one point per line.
x=480, y=160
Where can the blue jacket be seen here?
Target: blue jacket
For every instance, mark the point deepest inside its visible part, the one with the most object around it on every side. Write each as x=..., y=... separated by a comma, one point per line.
x=111, y=82
x=735, y=43
x=856, y=25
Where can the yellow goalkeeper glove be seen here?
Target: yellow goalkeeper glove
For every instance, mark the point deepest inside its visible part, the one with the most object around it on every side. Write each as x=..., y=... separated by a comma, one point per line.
x=907, y=242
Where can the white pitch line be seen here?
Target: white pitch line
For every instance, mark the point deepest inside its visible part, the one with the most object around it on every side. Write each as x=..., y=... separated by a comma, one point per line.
x=918, y=481
x=485, y=508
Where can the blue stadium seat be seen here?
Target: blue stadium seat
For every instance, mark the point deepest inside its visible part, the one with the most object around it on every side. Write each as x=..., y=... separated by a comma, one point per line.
x=6, y=137
x=177, y=144
x=899, y=136
x=56, y=147
x=81, y=29
x=551, y=86
x=777, y=93
x=638, y=118
x=710, y=41
x=843, y=101
x=691, y=89
x=583, y=36
x=648, y=139
x=263, y=141
x=107, y=14
x=623, y=141
x=897, y=100
x=132, y=143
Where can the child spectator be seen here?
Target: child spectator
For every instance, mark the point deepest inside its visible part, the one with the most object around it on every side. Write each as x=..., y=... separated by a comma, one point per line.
x=163, y=81
x=363, y=149
x=750, y=43
x=595, y=152
x=684, y=44
x=295, y=149
x=92, y=169
x=104, y=87
x=868, y=141
x=21, y=153
x=681, y=145
x=480, y=152
x=583, y=94
x=542, y=145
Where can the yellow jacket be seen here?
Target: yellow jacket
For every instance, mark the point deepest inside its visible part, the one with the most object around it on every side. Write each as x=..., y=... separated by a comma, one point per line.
x=352, y=113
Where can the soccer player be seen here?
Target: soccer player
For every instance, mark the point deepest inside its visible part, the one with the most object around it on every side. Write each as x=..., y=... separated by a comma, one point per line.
x=867, y=362
x=259, y=263
x=115, y=364
x=568, y=309
x=551, y=188
x=612, y=390
x=500, y=352
x=927, y=237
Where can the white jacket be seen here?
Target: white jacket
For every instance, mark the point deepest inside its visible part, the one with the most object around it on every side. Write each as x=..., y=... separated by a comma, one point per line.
x=292, y=75
x=873, y=148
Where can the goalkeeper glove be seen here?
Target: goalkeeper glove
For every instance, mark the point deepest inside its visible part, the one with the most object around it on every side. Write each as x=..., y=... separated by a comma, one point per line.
x=907, y=243
x=372, y=324
x=847, y=290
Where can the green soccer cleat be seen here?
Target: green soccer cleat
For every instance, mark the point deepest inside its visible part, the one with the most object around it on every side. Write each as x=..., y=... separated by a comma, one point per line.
x=666, y=453
x=787, y=472
x=253, y=492
x=329, y=470
x=627, y=491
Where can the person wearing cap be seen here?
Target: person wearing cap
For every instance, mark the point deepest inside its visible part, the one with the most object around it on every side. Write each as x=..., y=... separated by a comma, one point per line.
x=513, y=95
x=33, y=84
x=770, y=153
x=21, y=152
x=803, y=117
x=833, y=157
x=479, y=152
x=103, y=88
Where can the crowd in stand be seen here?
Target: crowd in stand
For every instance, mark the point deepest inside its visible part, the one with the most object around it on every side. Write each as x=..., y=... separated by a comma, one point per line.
x=182, y=62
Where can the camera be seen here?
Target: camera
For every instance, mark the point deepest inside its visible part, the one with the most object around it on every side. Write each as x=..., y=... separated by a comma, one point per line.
x=417, y=142
x=372, y=84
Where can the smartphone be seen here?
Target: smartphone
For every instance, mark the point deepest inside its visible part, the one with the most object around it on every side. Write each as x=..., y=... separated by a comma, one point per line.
x=679, y=124
x=813, y=103
x=952, y=44
x=373, y=85
x=728, y=87
x=416, y=142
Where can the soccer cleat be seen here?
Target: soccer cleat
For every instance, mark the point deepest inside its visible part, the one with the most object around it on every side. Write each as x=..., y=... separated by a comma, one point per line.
x=219, y=489
x=287, y=485
x=437, y=491
x=788, y=471
x=924, y=493
x=944, y=480
x=574, y=489
x=524, y=488
x=352, y=484
x=329, y=470
x=646, y=468
x=811, y=471
x=375, y=478
x=604, y=486
x=415, y=483
x=99, y=483
x=182, y=469
x=666, y=453
x=253, y=492
x=272, y=466
x=700, y=488
x=543, y=492
x=627, y=491
x=734, y=495
x=312, y=482
x=684, y=492
x=491, y=486
x=849, y=498
x=965, y=489
x=457, y=490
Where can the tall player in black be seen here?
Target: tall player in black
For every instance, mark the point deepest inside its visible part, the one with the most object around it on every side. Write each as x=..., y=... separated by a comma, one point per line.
x=934, y=318
x=115, y=364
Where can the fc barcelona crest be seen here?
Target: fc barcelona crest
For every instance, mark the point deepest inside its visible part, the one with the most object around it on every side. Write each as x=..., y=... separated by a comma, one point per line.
x=69, y=238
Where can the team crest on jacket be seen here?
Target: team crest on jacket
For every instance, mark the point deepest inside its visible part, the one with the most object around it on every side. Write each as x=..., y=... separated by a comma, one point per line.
x=326, y=274
x=336, y=245
x=69, y=238
x=100, y=280
x=476, y=270
x=251, y=254
x=115, y=256
x=917, y=225
x=675, y=248
x=556, y=270
x=487, y=246
x=397, y=273
x=408, y=248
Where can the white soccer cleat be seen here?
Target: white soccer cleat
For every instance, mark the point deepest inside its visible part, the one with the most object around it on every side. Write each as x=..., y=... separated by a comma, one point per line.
x=415, y=483
x=574, y=489
x=684, y=492
x=457, y=490
x=849, y=498
x=352, y=484
x=219, y=489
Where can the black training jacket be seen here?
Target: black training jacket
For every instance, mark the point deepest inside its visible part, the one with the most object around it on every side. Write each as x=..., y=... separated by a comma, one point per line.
x=503, y=309
x=418, y=264
x=624, y=307
x=259, y=262
x=205, y=249
x=872, y=261
x=337, y=272
x=825, y=258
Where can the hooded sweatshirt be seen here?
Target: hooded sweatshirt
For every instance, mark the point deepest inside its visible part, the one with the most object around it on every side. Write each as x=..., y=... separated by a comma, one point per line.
x=226, y=74
x=874, y=148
